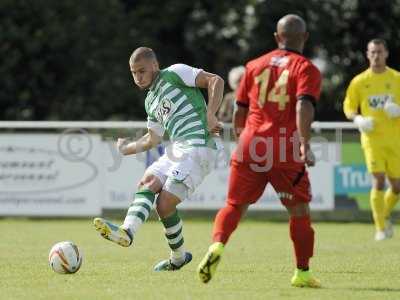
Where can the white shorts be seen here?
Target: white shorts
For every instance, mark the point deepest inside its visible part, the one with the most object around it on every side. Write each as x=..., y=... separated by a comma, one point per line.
x=188, y=166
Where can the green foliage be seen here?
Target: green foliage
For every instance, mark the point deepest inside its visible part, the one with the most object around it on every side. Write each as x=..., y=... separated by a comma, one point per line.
x=257, y=263
x=68, y=59
x=64, y=60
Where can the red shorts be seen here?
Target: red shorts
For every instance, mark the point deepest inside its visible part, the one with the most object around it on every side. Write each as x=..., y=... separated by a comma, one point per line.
x=247, y=185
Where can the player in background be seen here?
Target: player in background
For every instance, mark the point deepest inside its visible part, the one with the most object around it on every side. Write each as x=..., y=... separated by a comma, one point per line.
x=275, y=100
x=175, y=104
x=373, y=103
x=225, y=112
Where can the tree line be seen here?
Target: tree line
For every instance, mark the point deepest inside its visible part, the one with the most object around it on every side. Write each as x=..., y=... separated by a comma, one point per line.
x=68, y=60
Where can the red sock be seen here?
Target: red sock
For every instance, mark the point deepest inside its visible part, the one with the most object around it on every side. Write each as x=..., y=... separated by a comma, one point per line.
x=302, y=236
x=225, y=223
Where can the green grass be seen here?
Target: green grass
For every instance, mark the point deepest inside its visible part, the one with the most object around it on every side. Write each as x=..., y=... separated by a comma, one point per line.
x=257, y=264
x=352, y=153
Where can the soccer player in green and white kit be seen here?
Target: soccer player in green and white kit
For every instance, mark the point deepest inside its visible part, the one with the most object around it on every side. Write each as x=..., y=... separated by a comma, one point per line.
x=175, y=104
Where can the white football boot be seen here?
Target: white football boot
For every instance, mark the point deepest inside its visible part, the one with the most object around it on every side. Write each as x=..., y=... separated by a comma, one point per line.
x=380, y=235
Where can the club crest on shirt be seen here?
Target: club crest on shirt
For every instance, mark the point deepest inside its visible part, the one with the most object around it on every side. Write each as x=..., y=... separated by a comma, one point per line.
x=163, y=110
x=378, y=101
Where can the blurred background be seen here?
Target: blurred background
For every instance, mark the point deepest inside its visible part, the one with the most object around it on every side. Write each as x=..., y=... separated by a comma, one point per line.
x=68, y=60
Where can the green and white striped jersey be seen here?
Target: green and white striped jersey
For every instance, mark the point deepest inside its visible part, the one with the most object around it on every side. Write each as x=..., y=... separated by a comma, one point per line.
x=174, y=104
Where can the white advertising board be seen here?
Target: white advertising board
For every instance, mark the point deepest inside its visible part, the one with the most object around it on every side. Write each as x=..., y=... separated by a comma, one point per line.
x=50, y=174
x=77, y=174
x=121, y=183
x=121, y=176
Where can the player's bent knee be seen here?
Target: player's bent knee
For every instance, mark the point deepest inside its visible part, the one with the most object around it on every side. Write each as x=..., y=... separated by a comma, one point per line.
x=396, y=189
x=298, y=210
x=166, y=204
x=394, y=184
x=241, y=208
x=150, y=182
x=378, y=181
x=378, y=185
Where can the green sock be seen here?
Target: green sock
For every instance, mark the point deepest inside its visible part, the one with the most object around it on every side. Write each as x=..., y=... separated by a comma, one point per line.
x=173, y=234
x=139, y=210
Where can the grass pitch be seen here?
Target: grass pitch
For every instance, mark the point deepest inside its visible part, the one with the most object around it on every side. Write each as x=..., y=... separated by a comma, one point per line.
x=257, y=263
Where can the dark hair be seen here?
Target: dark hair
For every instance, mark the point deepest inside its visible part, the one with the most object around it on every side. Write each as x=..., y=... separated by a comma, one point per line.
x=379, y=42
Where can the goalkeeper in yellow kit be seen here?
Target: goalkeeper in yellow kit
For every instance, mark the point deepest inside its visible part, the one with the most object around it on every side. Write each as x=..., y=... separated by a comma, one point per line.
x=373, y=103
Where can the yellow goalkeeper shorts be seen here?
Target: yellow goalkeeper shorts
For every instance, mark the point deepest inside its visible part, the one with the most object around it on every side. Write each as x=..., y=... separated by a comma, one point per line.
x=383, y=159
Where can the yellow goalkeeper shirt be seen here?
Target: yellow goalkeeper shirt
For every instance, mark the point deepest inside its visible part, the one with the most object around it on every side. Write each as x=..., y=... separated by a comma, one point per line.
x=367, y=93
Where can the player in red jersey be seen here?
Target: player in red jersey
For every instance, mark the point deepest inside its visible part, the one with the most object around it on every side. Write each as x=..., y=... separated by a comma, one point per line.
x=275, y=100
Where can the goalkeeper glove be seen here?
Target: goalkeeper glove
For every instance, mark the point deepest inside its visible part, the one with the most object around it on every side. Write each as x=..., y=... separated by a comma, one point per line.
x=392, y=109
x=364, y=124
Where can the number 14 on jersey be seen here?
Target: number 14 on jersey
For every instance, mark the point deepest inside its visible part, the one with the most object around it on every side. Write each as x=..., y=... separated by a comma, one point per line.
x=278, y=93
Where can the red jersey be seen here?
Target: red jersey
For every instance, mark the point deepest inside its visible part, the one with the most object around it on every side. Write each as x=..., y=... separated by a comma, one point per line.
x=270, y=88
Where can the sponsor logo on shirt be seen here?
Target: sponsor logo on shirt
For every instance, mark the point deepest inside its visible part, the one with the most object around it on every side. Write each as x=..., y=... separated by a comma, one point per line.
x=378, y=101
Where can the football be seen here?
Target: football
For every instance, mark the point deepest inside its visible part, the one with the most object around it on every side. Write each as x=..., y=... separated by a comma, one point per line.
x=65, y=258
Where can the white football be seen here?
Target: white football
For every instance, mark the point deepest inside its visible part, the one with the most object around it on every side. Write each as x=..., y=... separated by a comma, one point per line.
x=65, y=258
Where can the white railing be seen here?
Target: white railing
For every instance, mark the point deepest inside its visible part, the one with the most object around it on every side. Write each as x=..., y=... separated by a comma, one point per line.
x=72, y=124
x=317, y=126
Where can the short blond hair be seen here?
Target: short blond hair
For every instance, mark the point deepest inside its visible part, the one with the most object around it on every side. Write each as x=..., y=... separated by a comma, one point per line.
x=142, y=53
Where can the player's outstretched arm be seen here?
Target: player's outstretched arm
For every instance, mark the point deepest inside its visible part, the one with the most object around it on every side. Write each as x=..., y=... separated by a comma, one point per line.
x=304, y=118
x=215, y=87
x=146, y=142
